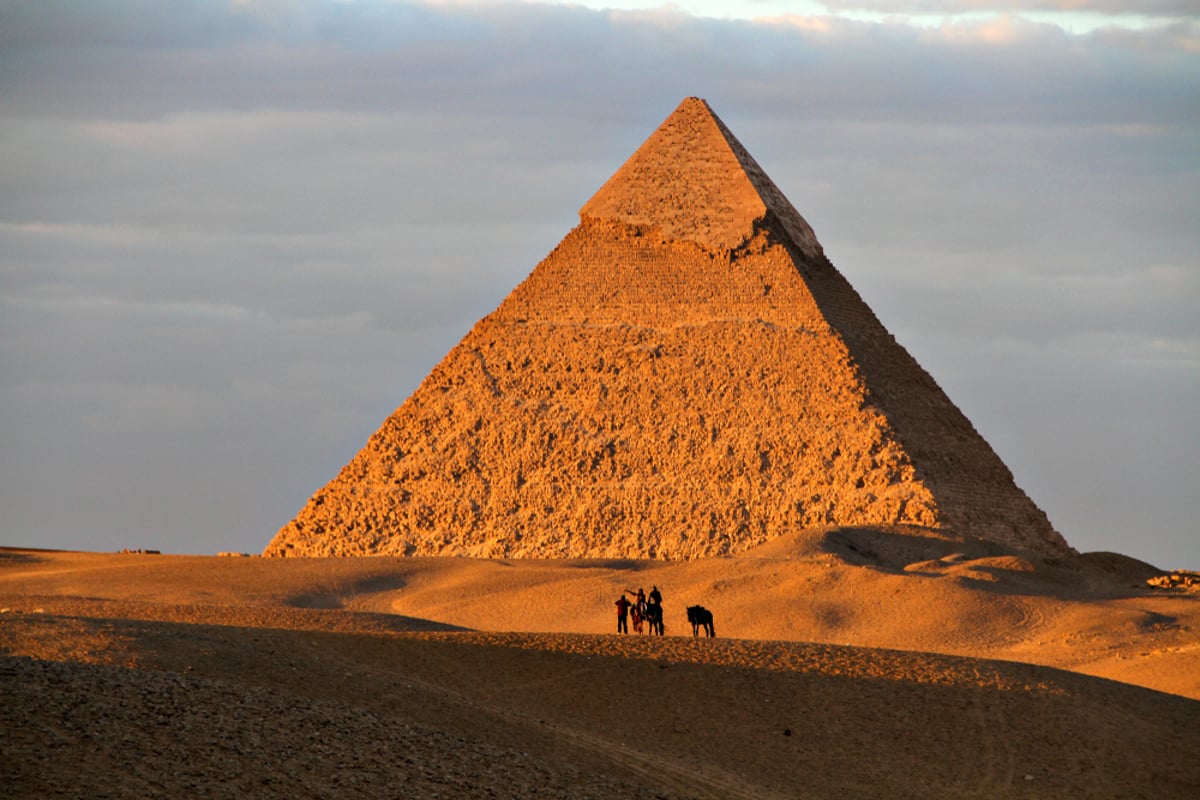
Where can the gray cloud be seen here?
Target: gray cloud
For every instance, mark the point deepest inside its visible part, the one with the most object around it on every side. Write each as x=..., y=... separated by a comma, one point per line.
x=235, y=236
x=1145, y=8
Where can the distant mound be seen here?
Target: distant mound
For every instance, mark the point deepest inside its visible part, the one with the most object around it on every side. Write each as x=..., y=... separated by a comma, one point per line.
x=891, y=547
x=685, y=375
x=1120, y=567
x=935, y=553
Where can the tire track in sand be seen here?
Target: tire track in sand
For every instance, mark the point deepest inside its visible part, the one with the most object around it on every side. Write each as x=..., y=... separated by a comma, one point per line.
x=694, y=782
x=989, y=758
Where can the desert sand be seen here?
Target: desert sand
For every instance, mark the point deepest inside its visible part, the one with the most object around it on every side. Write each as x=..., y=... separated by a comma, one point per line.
x=848, y=663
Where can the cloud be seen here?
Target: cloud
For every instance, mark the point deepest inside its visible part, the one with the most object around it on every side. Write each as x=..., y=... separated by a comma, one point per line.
x=235, y=236
x=1145, y=8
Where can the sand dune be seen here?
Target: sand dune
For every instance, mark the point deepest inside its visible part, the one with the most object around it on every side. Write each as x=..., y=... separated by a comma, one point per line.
x=864, y=665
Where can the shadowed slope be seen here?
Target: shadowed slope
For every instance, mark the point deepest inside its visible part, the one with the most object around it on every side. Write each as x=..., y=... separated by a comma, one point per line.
x=684, y=375
x=867, y=587
x=127, y=676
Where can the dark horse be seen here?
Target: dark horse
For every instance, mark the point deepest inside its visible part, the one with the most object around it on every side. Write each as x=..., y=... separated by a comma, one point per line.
x=700, y=616
x=654, y=617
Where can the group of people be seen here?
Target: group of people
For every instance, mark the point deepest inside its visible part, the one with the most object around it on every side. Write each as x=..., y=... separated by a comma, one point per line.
x=645, y=610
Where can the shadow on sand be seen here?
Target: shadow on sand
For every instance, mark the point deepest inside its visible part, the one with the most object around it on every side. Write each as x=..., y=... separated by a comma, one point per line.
x=986, y=565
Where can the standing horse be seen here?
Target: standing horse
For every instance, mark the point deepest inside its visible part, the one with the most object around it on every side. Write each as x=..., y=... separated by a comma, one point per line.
x=700, y=617
x=635, y=614
x=654, y=616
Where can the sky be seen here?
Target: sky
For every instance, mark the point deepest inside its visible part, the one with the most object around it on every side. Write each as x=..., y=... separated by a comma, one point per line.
x=235, y=236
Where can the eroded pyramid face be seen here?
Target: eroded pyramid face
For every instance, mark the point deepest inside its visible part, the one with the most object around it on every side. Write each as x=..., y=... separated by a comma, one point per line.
x=685, y=375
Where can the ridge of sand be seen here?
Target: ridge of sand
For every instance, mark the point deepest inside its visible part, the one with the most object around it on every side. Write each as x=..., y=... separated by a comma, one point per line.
x=136, y=675
x=1093, y=614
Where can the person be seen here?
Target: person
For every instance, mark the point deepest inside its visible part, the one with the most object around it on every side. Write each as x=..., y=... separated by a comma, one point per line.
x=622, y=615
x=654, y=612
x=639, y=607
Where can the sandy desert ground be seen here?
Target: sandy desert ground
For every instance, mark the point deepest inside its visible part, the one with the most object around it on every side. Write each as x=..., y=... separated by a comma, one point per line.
x=848, y=664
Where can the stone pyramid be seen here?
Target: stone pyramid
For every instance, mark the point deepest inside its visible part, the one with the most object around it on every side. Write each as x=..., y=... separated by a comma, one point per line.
x=685, y=375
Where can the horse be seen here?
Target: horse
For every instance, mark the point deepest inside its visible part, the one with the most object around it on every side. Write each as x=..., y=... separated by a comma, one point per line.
x=700, y=616
x=654, y=616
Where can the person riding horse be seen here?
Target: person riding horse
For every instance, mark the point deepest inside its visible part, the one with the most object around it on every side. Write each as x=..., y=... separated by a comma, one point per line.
x=654, y=616
x=654, y=612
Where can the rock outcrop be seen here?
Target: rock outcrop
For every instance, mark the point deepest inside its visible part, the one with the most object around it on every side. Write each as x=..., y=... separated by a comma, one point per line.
x=685, y=375
x=1179, y=579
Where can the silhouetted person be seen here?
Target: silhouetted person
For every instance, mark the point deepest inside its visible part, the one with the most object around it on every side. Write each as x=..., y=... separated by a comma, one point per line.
x=622, y=614
x=640, y=602
x=637, y=609
x=654, y=612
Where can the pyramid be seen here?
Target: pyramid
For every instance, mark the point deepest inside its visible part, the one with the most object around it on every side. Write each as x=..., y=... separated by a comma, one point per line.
x=685, y=375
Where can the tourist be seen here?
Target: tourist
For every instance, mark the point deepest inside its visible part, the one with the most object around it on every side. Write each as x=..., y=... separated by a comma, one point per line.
x=622, y=614
x=654, y=611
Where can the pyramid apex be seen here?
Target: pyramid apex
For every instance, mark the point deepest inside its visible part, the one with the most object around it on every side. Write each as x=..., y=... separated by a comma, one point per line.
x=694, y=181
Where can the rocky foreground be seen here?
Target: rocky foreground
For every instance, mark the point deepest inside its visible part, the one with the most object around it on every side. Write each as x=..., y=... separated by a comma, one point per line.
x=140, y=675
x=237, y=712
